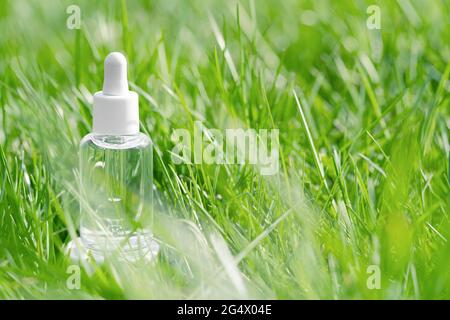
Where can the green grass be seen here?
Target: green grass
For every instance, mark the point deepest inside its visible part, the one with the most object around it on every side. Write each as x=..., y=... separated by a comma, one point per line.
x=363, y=118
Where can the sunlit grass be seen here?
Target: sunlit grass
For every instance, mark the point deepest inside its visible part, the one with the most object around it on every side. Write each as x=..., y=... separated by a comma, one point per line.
x=363, y=117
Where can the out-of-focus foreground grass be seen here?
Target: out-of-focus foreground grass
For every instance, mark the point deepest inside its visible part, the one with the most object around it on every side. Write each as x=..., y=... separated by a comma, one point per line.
x=363, y=119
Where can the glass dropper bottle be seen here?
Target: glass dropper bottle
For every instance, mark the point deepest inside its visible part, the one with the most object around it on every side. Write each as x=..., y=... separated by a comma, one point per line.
x=116, y=173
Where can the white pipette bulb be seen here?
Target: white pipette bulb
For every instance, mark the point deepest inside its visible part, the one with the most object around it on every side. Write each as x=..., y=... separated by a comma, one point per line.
x=115, y=82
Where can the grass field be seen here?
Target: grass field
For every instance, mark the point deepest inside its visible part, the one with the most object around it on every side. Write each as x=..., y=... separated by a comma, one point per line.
x=363, y=114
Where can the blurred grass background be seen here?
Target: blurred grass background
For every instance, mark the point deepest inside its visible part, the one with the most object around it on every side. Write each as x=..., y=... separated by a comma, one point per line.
x=363, y=118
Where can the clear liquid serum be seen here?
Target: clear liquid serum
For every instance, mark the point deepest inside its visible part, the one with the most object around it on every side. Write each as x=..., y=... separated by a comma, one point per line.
x=116, y=173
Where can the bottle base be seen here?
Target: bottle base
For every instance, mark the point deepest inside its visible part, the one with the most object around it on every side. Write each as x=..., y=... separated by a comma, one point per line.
x=140, y=246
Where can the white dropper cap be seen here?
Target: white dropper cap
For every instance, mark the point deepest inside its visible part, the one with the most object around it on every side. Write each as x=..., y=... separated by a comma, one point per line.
x=116, y=109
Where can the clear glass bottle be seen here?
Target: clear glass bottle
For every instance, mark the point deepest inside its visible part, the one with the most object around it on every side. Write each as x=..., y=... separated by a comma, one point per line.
x=116, y=186
x=116, y=173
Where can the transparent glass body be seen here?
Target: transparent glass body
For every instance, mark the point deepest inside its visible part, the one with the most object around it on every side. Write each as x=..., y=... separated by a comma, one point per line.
x=116, y=200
